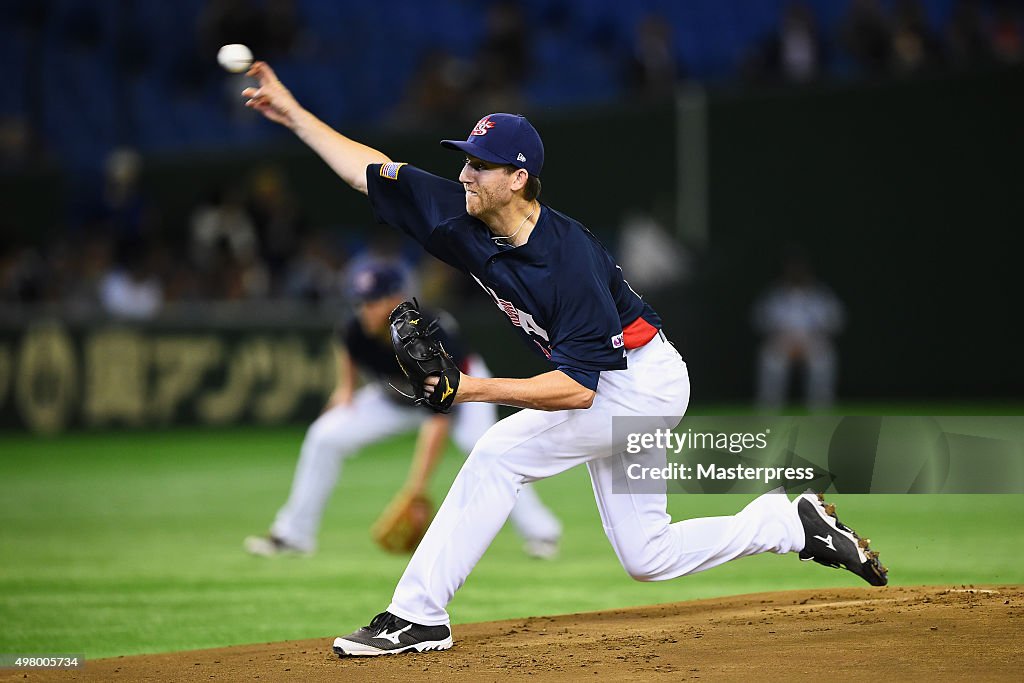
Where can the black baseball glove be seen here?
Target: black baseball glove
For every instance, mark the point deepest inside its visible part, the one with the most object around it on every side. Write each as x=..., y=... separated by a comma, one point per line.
x=420, y=355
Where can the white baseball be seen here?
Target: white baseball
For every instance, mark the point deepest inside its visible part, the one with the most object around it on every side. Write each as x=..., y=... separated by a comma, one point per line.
x=235, y=58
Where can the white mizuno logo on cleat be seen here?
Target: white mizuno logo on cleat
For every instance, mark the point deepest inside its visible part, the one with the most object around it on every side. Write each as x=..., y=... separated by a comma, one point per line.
x=827, y=540
x=393, y=637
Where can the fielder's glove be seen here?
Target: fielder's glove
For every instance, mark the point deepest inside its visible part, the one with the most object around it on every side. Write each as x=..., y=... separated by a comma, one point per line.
x=420, y=355
x=401, y=526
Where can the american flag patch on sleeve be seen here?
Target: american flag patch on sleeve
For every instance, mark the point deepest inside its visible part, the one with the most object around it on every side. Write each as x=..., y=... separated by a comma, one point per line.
x=390, y=170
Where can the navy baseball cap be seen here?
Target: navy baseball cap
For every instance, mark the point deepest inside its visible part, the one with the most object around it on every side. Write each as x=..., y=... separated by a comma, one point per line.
x=376, y=280
x=504, y=139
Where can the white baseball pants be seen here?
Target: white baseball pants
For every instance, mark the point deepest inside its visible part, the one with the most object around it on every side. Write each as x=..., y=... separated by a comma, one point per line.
x=532, y=445
x=343, y=430
x=819, y=369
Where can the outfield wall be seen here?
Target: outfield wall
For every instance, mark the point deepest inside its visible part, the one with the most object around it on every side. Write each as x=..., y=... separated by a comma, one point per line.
x=55, y=376
x=909, y=197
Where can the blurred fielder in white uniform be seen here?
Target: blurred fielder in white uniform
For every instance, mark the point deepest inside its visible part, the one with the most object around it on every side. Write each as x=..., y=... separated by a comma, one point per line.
x=355, y=418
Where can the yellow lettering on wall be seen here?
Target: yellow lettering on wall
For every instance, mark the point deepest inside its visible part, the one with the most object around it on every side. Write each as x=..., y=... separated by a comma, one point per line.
x=285, y=383
x=249, y=361
x=179, y=363
x=5, y=372
x=46, y=378
x=116, y=370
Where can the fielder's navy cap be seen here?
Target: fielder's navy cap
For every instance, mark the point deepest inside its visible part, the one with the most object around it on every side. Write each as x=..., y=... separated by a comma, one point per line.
x=376, y=280
x=504, y=139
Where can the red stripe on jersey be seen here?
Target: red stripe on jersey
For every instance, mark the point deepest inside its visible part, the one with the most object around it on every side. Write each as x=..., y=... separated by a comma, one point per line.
x=638, y=333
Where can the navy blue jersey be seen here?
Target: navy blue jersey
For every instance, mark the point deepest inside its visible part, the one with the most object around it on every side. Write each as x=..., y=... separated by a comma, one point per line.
x=561, y=289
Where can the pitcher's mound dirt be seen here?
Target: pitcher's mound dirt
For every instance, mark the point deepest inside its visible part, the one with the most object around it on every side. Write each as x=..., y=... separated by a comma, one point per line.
x=933, y=633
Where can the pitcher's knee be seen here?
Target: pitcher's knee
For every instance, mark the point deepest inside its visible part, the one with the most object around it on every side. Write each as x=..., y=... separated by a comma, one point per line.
x=643, y=567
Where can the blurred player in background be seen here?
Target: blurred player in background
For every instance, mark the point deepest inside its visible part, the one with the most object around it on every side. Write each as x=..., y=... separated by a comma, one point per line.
x=355, y=418
x=798, y=318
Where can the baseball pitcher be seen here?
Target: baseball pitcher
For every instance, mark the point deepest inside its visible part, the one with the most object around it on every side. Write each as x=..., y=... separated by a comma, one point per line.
x=564, y=294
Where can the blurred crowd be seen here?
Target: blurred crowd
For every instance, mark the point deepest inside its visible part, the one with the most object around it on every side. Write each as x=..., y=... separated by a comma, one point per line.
x=108, y=84
x=246, y=240
x=895, y=39
x=143, y=74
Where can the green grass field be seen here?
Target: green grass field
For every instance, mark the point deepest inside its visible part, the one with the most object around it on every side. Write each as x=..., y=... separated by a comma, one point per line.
x=120, y=543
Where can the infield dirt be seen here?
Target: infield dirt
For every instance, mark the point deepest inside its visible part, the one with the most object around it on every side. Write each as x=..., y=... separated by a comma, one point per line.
x=895, y=633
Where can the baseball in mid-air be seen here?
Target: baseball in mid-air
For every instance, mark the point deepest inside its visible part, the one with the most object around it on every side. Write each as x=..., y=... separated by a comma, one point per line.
x=235, y=58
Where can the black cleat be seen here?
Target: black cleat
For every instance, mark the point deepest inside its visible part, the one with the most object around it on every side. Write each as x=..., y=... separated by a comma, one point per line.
x=829, y=542
x=390, y=635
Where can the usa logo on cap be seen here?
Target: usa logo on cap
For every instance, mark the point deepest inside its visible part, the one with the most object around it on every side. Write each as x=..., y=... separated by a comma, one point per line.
x=504, y=139
x=482, y=126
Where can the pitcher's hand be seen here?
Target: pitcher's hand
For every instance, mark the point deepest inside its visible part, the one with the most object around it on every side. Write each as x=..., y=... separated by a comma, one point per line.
x=271, y=98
